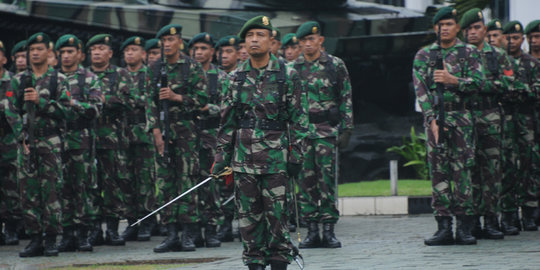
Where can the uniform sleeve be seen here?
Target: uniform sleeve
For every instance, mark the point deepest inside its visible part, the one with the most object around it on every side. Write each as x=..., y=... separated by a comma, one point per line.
x=214, y=109
x=297, y=109
x=474, y=76
x=91, y=108
x=197, y=97
x=345, y=110
x=228, y=125
x=11, y=112
x=421, y=88
x=57, y=107
x=124, y=97
x=151, y=107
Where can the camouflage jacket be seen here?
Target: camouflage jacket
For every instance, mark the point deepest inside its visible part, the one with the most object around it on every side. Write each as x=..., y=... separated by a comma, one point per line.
x=50, y=112
x=323, y=96
x=193, y=91
x=527, y=73
x=8, y=129
x=470, y=76
x=117, y=86
x=253, y=149
x=208, y=135
x=79, y=126
x=498, y=71
x=142, y=118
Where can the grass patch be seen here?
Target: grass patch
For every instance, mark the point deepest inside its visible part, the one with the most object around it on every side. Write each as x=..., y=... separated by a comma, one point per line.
x=124, y=267
x=406, y=187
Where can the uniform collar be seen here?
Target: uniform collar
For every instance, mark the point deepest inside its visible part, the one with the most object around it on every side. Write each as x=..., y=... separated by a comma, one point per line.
x=273, y=65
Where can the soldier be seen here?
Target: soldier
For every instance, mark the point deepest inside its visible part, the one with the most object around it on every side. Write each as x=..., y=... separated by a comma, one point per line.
x=276, y=42
x=494, y=34
x=111, y=142
x=18, y=56
x=227, y=48
x=52, y=58
x=153, y=51
x=532, y=31
x=41, y=96
x=329, y=93
x=263, y=99
x=78, y=156
x=141, y=152
x=10, y=211
x=526, y=70
x=455, y=68
x=178, y=170
x=242, y=51
x=487, y=174
x=202, y=45
x=291, y=48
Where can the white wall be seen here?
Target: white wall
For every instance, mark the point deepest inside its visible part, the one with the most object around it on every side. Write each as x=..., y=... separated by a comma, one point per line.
x=524, y=11
x=418, y=5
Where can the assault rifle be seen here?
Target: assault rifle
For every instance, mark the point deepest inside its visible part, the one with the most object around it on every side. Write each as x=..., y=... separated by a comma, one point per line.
x=26, y=82
x=164, y=114
x=439, y=100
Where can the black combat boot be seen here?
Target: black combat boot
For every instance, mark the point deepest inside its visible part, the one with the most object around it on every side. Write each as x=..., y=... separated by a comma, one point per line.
x=527, y=218
x=210, y=236
x=34, y=248
x=491, y=228
x=68, y=242
x=82, y=239
x=10, y=233
x=255, y=266
x=508, y=223
x=312, y=240
x=198, y=239
x=188, y=235
x=111, y=235
x=278, y=265
x=444, y=234
x=155, y=225
x=537, y=215
x=172, y=242
x=329, y=239
x=463, y=230
x=145, y=230
x=50, y=245
x=476, y=230
x=95, y=236
x=225, y=230
x=130, y=233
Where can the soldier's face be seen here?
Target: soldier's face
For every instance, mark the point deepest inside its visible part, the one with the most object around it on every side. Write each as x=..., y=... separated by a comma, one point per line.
x=69, y=56
x=202, y=52
x=476, y=33
x=82, y=56
x=242, y=52
x=516, y=39
x=39, y=53
x=449, y=30
x=20, y=61
x=258, y=42
x=495, y=38
x=534, y=41
x=171, y=44
x=134, y=55
x=311, y=44
x=3, y=60
x=229, y=57
x=154, y=55
x=52, y=60
x=100, y=54
x=292, y=52
x=275, y=46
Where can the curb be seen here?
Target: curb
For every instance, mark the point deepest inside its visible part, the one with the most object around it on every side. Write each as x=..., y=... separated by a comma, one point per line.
x=394, y=205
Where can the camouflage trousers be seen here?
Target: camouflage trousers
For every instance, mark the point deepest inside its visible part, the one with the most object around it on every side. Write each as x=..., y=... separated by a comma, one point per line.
x=40, y=178
x=176, y=177
x=527, y=154
x=450, y=164
x=10, y=208
x=225, y=193
x=113, y=182
x=77, y=205
x=317, y=183
x=209, y=200
x=486, y=175
x=142, y=175
x=510, y=169
x=262, y=216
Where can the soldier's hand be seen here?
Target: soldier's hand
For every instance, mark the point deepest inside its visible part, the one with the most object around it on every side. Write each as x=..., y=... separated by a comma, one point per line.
x=344, y=139
x=167, y=94
x=217, y=167
x=435, y=130
x=26, y=148
x=30, y=94
x=204, y=109
x=443, y=76
x=103, y=98
x=158, y=141
x=293, y=169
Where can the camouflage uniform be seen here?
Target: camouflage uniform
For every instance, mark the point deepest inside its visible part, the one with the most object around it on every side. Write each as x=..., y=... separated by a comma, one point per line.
x=329, y=95
x=40, y=173
x=253, y=140
x=450, y=165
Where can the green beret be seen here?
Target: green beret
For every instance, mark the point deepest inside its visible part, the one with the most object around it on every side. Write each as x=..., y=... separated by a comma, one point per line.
x=38, y=38
x=68, y=40
x=171, y=29
x=2, y=47
x=276, y=33
x=201, y=37
x=494, y=24
x=444, y=14
x=513, y=27
x=134, y=40
x=259, y=22
x=533, y=26
x=100, y=39
x=308, y=28
x=289, y=39
x=228, y=41
x=19, y=47
x=152, y=44
x=471, y=16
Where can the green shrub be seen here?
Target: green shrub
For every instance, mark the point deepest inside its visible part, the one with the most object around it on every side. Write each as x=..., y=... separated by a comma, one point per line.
x=413, y=150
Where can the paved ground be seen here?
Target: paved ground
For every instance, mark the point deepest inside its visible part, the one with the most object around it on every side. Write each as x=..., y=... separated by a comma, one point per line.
x=369, y=242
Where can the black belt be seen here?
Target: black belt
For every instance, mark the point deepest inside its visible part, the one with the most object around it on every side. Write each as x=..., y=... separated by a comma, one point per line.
x=486, y=103
x=46, y=132
x=264, y=124
x=456, y=106
x=209, y=123
x=525, y=108
x=135, y=119
x=78, y=125
x=181, y=116
x=5, y=131
x=107, y=119
x=324, y=116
